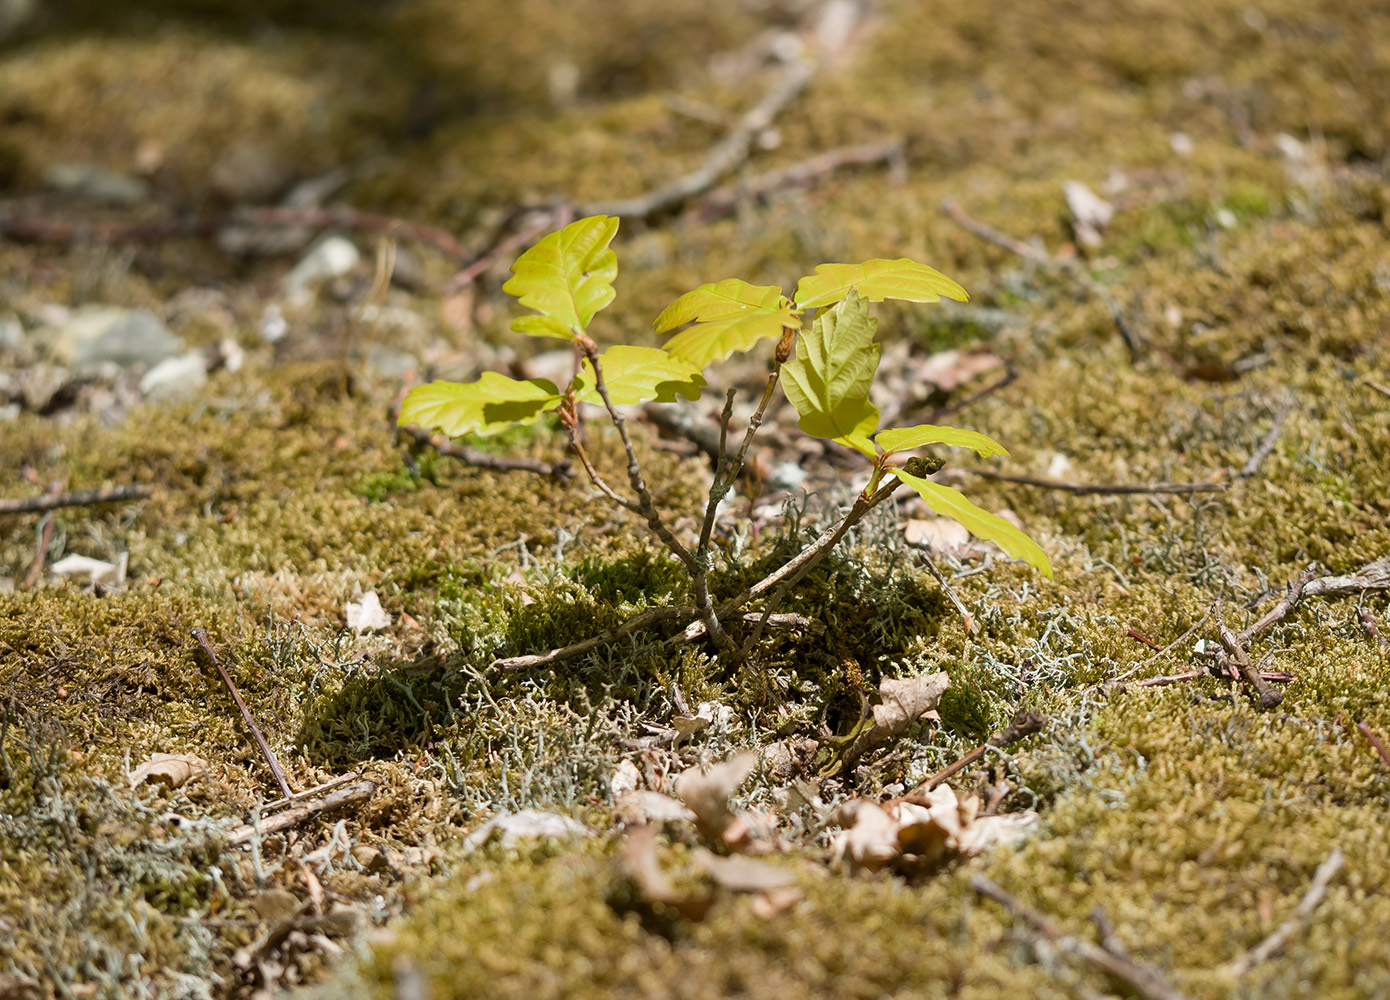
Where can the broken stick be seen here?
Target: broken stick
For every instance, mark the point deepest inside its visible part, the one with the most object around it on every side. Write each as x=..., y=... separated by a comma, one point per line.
x=1140, y=978
x=75, y=498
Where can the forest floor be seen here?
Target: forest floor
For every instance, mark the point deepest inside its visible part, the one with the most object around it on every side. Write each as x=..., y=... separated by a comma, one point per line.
x=1172, y=221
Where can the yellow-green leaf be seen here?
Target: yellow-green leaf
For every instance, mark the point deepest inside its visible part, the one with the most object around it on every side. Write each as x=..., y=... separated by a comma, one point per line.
x=828, y=379
x=638, y=375
x=903, y=438
x=980, y=523
x=485, y=407
x=566, y=277
x=876, y=280
x=731, y=315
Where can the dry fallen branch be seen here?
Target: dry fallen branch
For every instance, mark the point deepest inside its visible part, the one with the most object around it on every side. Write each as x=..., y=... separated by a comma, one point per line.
x=1026, y=722
x=724, y=157
x=25, y=230
x=804, y=173
x=1376, y=742
x=1087, y=489
x=1279, y=937
x=1266, y=445
x=294, y=815
x=200, y=634
x=75, y=498
x=561, y=470
x=1141, y=979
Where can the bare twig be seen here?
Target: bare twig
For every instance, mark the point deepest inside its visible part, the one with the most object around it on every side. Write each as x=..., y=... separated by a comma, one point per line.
x=200, y=634
x=45, y=533
x=723, y=157
x=1368, y=625
x=991, y=235
x=356, y=792
x=695, y=630
x=1274, y=943
x=807, y=557
x=1235, y=649
x=36, y=230
x=561, y=470
x=1143, y=980
x=647, y=619
x=1010, y=375
x=75, y=498
x=546, y=218
x=682, y=422
x=1376, y=742
x=1088, y=489
x=1266, y=446
x=1026, y=722
x=1376, y=386
x=804, y=173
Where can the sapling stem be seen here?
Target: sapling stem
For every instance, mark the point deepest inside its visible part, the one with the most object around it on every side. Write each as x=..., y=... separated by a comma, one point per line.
x=807, y=557
x=578, y=445
x=634, y=468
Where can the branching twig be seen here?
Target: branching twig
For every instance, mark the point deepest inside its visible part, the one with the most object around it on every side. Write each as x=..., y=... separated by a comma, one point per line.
x=1279, y=937
x=1026, y=722
x=1142, y=979
x=1235, y=649
x=75, y=498
x=807, y=557
x=200, y=634
x=297, y=814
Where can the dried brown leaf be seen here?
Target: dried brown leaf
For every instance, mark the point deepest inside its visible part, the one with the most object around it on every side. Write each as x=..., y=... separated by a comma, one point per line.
x=173, y=770
x=642, y=866
x=903, y=703
x=706, y=791
x=741, y=874
x=638, y=808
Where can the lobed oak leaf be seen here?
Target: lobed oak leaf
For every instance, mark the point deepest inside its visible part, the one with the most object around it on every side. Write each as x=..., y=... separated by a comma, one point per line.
x=876, y=280
x=566, y=277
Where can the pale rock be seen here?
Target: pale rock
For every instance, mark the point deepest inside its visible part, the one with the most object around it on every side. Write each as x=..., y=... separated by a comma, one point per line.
x=173, y=378
x=93, y=183
x=93, y=335
x=328, y=259
x=1181, y=143
x=528, y=824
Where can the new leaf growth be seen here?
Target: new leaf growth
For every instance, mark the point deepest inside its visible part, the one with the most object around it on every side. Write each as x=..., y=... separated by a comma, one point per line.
x=825, y=370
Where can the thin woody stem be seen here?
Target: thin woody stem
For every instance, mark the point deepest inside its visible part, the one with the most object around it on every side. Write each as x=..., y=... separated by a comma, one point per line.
x=594, y=477
x=645, y=507
x=807, y=557
x=800, y=566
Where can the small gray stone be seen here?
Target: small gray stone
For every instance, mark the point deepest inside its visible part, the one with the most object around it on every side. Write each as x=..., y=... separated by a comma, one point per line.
x=126, y=337
x=96, y=184
x=175, y=377
x=40, y=384
x=391, y=363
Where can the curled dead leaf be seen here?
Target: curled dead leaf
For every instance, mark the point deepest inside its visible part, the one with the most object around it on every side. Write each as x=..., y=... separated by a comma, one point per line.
x=173, y=770
x=903, y=703
x=706, y=791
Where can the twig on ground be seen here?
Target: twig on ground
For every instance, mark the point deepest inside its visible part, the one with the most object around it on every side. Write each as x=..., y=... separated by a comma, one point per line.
x=1235, y=648
x=1266, y=445
x=561, y=470
x=1010, y=375
x=804, y=173
x=1377, y=387
x=1088, y=489
x=949, y=591
x=1368, y=625
x=1026, y=722
x=722, y=158
x=200, y=634
x=1274, y=943
x=45, y=533
x=500, y=247
x=1140, y=978
x=25, y=230
x=785, y=620
x=991, y=235
x=75, y=498
x=297, y=814
x=684, y=423
x=1376, y=742
x=1069, y=268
